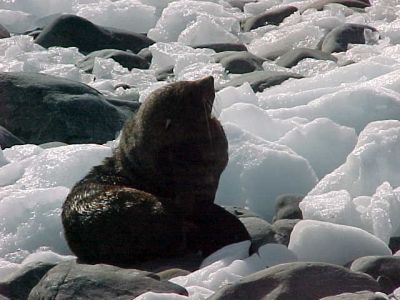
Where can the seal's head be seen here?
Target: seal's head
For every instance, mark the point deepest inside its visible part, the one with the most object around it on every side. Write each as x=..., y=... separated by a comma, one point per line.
x=175, y=144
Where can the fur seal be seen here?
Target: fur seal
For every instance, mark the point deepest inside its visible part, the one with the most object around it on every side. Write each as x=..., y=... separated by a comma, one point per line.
x=143, y=202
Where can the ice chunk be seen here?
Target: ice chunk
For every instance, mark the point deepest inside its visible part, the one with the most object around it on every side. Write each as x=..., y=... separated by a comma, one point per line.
x=198, y=33
x=276, y=42
x=62, y=166
x=252, y=118
x=38, y=8
x=131, y=15
x=353, y=107
x=375, y=159
x=46, y=255
x=322, y=142
x=335, y=207
x=231, y=95
x=333, y=243
x=31, y=219
x=180, y=14
x=16, y=21
x=230, y=252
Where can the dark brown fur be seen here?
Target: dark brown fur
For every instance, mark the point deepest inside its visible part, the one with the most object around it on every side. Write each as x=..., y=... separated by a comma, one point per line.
x=141, y=203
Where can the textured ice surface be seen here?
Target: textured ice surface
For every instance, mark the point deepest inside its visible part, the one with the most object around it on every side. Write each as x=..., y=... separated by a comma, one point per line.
x=332, y=243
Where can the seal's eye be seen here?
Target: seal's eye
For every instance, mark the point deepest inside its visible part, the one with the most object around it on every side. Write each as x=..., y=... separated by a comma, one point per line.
x=167, y=124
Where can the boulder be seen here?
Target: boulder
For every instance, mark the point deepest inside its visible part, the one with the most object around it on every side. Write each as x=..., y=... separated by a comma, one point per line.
x=124, y=58
x=69, y=280
x=385, y=267
x=75, y=31
x=19, y=284
x=298, y=280
x=41, y=108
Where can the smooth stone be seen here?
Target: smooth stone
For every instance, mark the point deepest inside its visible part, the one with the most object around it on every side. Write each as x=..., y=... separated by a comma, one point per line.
x=4, y=33
x=19, y=284
x=338, y=39
x=363, y=295
x=283, y=228
x=297, y=280
x=171, y=273
x=260, y=231
x=74, y=31
x=260, y=80
x=273, y=16
x=7, y=139
x=239, y=62
x=220, y=47
x=380, y=266
x=41, y=108
x=124, y=58
x=293, y=57
x=287, y=207
x=69, y=280
x=319, y=5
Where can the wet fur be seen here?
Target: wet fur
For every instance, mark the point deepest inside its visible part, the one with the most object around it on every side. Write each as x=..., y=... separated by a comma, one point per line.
x=143, y=202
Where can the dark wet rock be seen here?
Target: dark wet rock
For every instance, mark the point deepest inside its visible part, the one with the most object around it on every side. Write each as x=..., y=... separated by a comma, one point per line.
x=363, y=295
x=386, y=267
x=19, y=284
x=70, y=280
x=273, y=16
x=4, y=32
x=41, y=108
x=124, y=58
x=287, y=207
x=240, y=62
x=338, y=39
x=283, y=228
x=293, y=57
x=319, y=5
x=128, y=105
x=221, y=47
x=260, y=80
x=146, y=54
x=299, y=280
x=394, y=244
x=74, y=31
x=7, y=139
x=260, y=231
x=171, y=273
x=215, y=228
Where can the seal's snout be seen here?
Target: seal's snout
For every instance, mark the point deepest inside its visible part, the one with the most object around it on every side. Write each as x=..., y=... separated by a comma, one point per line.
x=206, y=88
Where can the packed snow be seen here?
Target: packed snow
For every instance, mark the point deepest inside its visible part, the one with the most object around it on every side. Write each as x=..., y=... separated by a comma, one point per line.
x=333, y=136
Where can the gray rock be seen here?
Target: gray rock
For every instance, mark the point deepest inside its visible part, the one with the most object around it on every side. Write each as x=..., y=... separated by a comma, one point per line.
x=7, y=139
x=124, y=58
x=363, y=295
x=260, y=80
x=299, y=280
x=260, y=231
x=293, y=57
x=19, y=284
x=283, y=228
x=240, y=62
x=221, y=47
x=385, y=267
x=41, y=108
x=273, y=16
x=69, y=280
x=287, y=207
x=338, y=39
x=74, y=31
x=4, y=32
